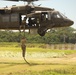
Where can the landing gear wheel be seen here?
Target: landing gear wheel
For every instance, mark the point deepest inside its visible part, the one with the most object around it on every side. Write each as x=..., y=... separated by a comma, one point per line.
x=41, y=31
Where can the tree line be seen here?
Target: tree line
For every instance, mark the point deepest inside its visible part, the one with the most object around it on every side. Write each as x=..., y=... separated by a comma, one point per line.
x=53, y=36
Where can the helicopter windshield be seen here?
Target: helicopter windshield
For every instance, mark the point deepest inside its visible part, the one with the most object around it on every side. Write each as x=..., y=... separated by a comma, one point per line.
x=62, y=15
x=58, y=15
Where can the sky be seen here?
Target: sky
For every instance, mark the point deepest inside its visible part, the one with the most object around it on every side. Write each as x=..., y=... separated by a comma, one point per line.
x=67, y=7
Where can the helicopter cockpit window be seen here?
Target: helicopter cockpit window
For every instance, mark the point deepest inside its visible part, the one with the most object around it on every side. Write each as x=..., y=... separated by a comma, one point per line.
x=56, y=15
x=62, y=15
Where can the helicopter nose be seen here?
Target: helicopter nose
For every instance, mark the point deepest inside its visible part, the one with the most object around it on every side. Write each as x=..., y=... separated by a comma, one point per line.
x=69, y=22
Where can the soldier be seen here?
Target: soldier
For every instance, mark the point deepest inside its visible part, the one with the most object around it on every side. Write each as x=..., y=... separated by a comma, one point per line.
x=23, y=24
x=30, y=22
x=23, y=46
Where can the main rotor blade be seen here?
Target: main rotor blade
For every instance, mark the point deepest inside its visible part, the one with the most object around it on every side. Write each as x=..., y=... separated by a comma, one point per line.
x=10, y=0
x=22, y=0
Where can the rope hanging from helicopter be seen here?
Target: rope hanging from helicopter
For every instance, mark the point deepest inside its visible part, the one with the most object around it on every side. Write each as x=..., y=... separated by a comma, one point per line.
x=23, y=45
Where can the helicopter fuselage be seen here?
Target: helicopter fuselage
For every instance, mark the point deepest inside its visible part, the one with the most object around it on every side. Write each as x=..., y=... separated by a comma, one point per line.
x=32, y=17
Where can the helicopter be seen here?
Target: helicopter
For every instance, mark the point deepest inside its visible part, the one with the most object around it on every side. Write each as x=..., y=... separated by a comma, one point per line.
x=35, y=17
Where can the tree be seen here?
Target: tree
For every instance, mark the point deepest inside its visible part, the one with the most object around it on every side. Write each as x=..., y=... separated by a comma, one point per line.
x=57, y=35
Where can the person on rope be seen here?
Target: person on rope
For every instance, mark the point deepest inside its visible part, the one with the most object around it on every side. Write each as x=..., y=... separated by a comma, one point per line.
x=23, y=46
x=23, y=24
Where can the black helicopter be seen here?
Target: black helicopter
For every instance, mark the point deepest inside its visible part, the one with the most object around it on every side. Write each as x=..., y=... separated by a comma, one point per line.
x=35, y=17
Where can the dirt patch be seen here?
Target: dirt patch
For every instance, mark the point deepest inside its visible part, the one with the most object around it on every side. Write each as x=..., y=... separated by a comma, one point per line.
x=71, y=55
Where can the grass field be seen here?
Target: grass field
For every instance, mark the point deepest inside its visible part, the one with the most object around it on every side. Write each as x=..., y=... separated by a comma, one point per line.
x=43, y=61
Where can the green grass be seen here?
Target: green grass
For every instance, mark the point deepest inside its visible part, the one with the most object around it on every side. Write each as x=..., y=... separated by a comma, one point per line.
x=50, y=72
x=33, y=50
x=44, y=61
x=42, y=70
x=14, y=46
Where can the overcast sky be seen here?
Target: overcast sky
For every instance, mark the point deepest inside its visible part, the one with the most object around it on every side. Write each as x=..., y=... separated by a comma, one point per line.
x=67, y=7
